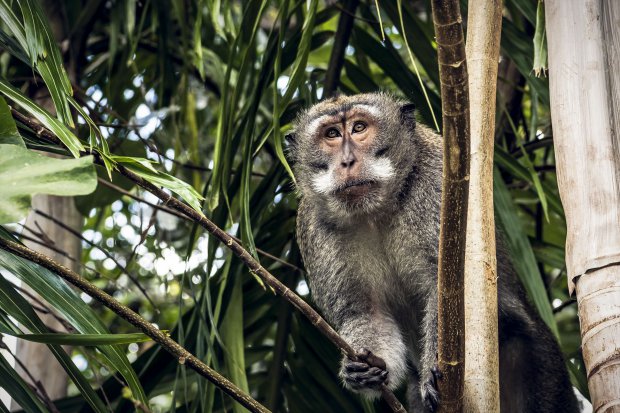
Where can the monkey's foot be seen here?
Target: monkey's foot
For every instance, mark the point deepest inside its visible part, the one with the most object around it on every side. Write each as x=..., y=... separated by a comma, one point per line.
x=430, y=394
x=367, y=372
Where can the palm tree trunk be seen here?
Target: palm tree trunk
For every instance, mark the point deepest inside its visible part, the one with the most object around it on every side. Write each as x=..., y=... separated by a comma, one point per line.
x=584, y=46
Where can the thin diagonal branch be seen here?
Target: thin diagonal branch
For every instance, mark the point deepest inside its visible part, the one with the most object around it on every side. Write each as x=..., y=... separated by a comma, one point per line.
x=180, y=353
x=103, y=250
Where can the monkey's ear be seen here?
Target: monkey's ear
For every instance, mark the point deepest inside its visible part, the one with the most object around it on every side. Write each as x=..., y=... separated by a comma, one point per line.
x=407, y=114
x=291, y=147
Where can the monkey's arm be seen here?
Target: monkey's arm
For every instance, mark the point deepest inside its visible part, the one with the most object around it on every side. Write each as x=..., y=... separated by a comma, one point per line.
x=347, y=298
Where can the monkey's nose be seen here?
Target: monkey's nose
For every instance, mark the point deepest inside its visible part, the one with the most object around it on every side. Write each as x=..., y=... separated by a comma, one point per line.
x=348, y=162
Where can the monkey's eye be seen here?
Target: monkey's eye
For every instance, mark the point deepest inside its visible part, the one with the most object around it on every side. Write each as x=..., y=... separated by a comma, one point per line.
x=359, y=126
x=332, y=133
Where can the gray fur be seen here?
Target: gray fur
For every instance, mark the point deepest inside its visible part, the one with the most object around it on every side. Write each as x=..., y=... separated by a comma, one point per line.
x=372, y=268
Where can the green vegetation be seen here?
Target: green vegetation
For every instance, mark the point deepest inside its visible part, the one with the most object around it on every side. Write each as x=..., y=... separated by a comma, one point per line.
x=195, y=96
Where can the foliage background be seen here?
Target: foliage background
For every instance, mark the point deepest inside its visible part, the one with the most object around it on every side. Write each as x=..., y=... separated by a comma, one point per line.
x=207, y=89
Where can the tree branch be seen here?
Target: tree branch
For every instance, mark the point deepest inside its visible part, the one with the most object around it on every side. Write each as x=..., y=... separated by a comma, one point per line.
x=341, y=41
x=171, y=346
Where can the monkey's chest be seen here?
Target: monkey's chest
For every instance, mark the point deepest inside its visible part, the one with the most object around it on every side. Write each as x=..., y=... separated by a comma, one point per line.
x=393, y=266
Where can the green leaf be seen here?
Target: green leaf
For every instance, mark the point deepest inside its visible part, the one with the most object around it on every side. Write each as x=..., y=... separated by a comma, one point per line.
x=540, y=41
x=8, y=129
x=234, y=340
x=54, y=290
x=18, y=389
x=536, y=180
x=44, y=54
x=58, y=128
x=24, y=173
x=519, y=246
x=183, y=189
x=83, y=339
x=17, y=307
x=12, y=22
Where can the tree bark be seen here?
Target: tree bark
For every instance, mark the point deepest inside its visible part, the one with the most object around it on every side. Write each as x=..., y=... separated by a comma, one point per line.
x=584, y=43
x=455, y=182
x=481, y=392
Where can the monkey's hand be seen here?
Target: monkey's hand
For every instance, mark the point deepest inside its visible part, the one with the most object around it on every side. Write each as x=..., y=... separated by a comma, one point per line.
x=430, y=394
x=365, y=374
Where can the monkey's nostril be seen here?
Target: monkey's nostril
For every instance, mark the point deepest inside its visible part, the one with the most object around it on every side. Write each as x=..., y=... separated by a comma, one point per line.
x=347, y=163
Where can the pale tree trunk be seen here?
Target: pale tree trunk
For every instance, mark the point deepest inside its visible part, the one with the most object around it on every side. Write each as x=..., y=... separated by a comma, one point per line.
x=35, y=357
x=481, y=391
x=584, y=49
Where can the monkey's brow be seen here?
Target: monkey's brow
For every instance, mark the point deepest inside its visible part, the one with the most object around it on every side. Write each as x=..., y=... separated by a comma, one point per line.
x=342, y=109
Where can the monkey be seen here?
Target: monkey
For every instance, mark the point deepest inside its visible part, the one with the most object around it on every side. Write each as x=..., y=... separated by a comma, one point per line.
x=368, y=178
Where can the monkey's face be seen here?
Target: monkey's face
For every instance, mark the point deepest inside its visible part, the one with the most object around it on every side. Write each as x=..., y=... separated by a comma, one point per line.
x=348, y=168
x=341, y=152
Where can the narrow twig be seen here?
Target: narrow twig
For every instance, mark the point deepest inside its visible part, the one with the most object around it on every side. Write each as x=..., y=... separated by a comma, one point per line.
x=564, y=304
x=180, y=353
x=341, y=41
x=42, y=308
x=185, y=217
x=104, y=251
x=256, y=268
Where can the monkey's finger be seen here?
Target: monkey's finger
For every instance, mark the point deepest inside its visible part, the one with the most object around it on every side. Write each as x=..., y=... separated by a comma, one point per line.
x=352, y=366
x=370, y=358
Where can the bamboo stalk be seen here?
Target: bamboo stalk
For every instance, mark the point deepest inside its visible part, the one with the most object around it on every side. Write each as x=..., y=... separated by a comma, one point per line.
x=455, y=182
x=481, y=392
x=584, y=53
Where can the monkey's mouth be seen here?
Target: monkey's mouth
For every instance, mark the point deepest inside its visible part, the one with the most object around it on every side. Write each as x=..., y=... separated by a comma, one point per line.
x=354, y=189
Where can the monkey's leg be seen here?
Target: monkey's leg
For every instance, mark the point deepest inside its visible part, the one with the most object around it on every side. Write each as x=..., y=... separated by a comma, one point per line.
x=533, y=376
x=429, y=371
x=414, y=398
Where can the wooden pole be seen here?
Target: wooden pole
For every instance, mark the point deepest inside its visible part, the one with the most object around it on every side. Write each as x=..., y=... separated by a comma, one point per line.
x=481, y=392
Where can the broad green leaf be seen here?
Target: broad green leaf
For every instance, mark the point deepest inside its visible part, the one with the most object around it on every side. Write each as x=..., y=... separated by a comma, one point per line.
x=58, y=128
x=24, y=173
x=54, y=290
x=8, y=129
x=83, y=339
x=519, y=246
